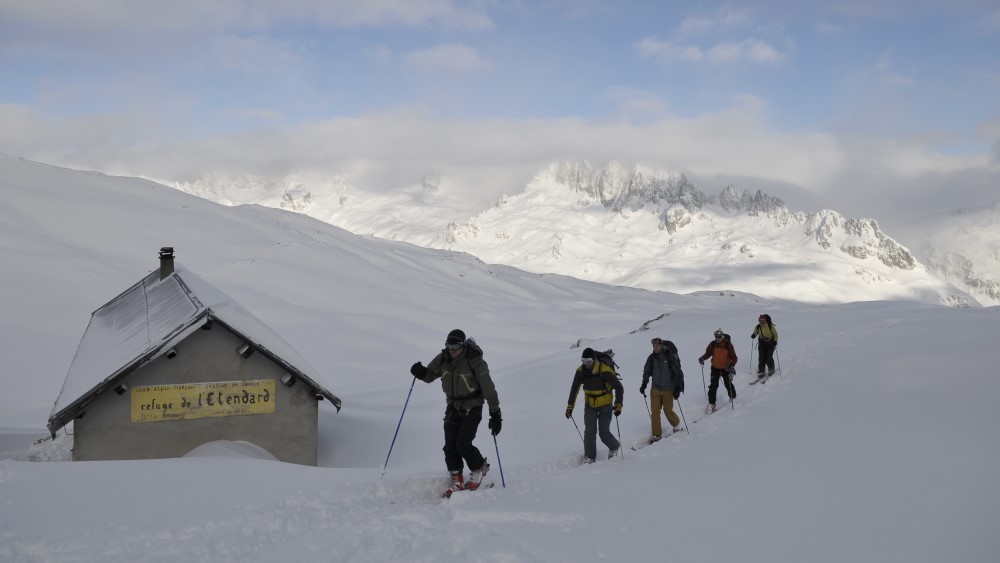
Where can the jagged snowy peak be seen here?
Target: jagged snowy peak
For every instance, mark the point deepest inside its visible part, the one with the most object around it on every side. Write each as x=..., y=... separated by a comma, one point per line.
x=860, y=238
x=657, y=231
x=963, y=247
x=641, y=227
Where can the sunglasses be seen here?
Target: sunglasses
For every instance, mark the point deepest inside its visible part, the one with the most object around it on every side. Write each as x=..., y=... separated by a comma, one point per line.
x=718, y=335
x=588, y=361
x=454, y=347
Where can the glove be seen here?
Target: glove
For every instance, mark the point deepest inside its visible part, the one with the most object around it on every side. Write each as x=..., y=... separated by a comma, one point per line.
x=701, y=361
x=495, y=422
x=642, y=390
x=569, y=411
x=618, y=409
x=774, y=346
x=677, y=394
x=418, y=370
x=731, y=371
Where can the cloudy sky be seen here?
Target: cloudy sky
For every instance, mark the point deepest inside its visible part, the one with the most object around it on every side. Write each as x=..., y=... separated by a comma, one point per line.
x=888, y=109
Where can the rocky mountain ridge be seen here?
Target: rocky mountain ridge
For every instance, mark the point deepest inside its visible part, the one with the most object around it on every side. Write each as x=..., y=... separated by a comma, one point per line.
x=639, y=227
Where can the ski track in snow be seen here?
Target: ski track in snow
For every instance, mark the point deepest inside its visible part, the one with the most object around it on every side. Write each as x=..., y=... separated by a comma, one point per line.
x=352, y=521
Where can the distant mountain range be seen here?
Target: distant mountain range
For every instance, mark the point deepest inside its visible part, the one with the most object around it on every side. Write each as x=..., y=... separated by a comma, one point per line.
x=963, y=247
x=642, y=228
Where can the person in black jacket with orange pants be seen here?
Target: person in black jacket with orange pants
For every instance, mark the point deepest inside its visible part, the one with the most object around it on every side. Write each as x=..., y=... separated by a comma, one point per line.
x=663, y=367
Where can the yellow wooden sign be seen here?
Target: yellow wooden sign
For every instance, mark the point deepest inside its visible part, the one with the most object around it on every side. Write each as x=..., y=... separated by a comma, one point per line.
x=156, y=403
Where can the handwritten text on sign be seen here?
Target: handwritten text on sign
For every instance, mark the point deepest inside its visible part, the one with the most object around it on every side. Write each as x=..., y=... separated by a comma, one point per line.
x=155, y=403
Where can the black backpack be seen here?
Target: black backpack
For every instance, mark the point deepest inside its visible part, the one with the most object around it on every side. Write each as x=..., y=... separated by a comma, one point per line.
x=669, y=346
x=607, y=357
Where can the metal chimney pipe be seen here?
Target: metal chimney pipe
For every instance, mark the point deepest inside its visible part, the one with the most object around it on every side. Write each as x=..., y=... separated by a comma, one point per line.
x=166, y=261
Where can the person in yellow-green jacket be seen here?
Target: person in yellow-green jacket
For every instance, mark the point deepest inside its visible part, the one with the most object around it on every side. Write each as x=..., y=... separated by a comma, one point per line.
x=598, y=380
x=767, y=340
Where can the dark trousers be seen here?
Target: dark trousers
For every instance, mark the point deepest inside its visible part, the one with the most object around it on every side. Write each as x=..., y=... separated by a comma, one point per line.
x=714, y=385
x=598, y=421
x=459, y=431
x=766, y=356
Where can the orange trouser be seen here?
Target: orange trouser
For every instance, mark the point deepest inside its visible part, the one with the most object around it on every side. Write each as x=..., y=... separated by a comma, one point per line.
x=662, y=400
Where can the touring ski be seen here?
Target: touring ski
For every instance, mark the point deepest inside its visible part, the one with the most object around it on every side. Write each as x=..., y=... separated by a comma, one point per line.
x=449, y=492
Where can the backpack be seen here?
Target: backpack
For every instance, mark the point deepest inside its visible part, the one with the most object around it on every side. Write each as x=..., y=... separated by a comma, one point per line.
x=607, y=357
x=769, y=323
x=669, y=346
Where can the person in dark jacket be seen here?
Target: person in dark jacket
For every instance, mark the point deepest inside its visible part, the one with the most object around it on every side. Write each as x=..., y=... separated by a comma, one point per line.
x=724, y=359
x=598, y=380
x=767, y=340
x=663, y=368
x=465, y=379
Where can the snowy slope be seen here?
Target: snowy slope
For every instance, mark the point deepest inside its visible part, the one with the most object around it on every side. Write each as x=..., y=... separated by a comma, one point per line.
x=963, y=247
x=642, y=228
x=868, y=447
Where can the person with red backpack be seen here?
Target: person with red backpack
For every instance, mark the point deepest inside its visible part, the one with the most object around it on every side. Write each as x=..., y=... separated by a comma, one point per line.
x=767, y=340
x=724, y=360
x=598, y=379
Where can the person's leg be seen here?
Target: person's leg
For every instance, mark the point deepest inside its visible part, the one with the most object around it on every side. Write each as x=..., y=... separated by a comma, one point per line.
x=604, y=425
x=713, y=386
x=668, y=408
x=656, y=400
x=589, y=433
x=451, y=457
x=467, y=428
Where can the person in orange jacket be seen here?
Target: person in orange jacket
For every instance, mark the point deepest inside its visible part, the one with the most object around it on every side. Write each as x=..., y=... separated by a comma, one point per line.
x=724, y=360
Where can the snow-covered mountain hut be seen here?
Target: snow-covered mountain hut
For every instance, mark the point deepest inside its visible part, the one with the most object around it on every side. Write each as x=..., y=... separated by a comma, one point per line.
x=173, y=363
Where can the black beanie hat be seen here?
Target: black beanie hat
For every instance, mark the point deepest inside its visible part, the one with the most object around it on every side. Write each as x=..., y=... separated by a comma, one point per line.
x=588, y=353
x=455, y=337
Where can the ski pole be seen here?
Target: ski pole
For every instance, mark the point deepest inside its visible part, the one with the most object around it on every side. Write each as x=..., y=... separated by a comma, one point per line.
x=703, y=388
x=732, y=400
x=578, y=429
x=400, y=423
x=777, y=359
x=621, y=454
x=649, y=412
x=499, y=463
x=679, y=407
x=750, y=367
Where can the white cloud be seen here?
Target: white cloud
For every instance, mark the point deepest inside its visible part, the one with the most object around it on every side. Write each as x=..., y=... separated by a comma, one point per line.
x=489, y=157
x=635, y=103
x=727, y=36
x=666, y=51
x=889, y=75
x=446, y=58
x=720, y=22
x=748, y=50
x=100, y=16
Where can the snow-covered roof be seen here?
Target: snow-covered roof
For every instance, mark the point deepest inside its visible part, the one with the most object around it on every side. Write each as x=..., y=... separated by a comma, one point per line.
x=148, y=319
